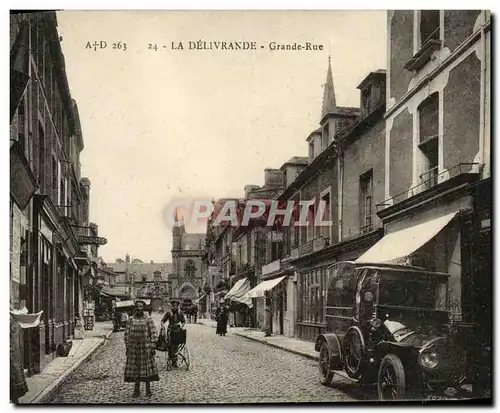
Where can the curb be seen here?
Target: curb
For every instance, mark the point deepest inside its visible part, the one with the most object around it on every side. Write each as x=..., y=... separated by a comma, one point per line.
x=300, y=353
x=45, y=395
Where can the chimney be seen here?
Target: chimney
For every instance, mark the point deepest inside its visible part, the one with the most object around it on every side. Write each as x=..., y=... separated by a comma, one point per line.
x=250, y=188
x=85, y=186
x=273, y=177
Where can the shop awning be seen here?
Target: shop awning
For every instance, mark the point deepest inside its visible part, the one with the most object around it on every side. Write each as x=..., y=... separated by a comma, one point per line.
x=265, y=286
x=235, y=288
x=239, y=292
x=199, y=299
x=402, y=243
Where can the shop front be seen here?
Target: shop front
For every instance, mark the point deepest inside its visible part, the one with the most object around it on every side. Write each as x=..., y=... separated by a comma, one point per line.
x=264, y=292
x=282, y=297
x=312, y=263
x=435, y=231
x=240, y=303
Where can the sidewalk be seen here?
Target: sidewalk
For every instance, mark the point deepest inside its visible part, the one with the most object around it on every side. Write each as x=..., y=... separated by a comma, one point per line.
x=292, y=345
x=43, y=385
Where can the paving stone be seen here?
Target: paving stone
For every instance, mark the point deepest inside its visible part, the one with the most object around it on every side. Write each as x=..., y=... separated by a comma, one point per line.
x=228, y=369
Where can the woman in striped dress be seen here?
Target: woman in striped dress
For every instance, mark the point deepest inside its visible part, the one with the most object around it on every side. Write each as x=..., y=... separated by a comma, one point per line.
x=140, y=339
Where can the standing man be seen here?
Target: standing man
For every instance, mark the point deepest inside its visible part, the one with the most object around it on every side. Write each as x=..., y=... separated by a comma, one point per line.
x=176, y=322
x=268, y=321
x=140, y=339
x=222, y=316
x=195, y=313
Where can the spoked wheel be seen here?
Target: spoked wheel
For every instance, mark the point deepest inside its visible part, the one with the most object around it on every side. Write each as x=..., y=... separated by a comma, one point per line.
x=326, y=375
x=185, y=357
x=354, y=351
x=391, y=384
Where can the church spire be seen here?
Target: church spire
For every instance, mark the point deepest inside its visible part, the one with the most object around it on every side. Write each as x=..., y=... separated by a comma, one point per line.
x=329, y=103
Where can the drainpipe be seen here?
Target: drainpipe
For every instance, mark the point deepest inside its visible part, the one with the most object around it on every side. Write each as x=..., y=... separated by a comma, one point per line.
x=482, y=128
x=341, y=192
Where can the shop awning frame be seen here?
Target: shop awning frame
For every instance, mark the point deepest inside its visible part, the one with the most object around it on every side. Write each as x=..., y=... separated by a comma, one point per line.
x=400, y=244
x=264, y=286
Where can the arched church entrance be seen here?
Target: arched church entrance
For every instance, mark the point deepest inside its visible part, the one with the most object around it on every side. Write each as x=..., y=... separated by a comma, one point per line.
x=187, y=292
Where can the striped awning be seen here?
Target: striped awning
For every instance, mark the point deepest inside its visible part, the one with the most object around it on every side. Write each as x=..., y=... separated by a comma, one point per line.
x=265, y=286
x=239, y=292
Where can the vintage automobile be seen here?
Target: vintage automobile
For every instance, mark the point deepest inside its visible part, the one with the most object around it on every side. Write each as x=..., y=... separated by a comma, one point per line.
x=125, y=306
x=387, y=326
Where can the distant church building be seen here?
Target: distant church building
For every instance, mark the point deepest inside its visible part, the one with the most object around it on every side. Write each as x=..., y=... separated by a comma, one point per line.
x=186, y=266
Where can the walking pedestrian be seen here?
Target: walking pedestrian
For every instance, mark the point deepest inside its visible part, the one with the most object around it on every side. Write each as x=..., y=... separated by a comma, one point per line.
x=19, y=319
x=222, y=316
x=195, y=313
x=18, y=386
x=176, y=322
x=140, y=339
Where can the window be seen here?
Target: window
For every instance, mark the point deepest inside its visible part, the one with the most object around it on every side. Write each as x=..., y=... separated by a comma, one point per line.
x=276, y=250
x=325, y=138
x=62, y=195
x=325, y=229
x=295, y=230
x=429, y=25
x=41, y=156
x=428, y=118
x=310, y=222
x=312, y=304
x=54, y=177
x=189, y=269
x=311, y=151
x=366, y=101
x=366, y=201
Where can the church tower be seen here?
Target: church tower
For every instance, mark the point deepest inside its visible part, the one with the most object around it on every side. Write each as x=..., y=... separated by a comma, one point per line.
x=177, y=232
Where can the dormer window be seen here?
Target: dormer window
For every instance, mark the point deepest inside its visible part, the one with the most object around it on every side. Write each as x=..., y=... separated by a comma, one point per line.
x=366, y=101
x=325, y=137
x=311, y=151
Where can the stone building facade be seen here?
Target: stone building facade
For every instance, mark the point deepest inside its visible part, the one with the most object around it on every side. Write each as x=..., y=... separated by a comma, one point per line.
x=49, y=198
x=438, y=152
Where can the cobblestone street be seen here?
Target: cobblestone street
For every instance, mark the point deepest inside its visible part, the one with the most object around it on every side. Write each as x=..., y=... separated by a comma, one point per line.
x=227, y=369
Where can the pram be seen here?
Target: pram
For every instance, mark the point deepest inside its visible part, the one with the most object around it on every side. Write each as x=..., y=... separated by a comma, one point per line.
x=175, y=338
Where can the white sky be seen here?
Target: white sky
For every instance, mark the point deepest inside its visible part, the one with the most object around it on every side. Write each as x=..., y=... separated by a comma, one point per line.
x=172, y=124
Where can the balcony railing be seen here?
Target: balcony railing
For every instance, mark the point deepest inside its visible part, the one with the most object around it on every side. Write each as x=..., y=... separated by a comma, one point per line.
x=366, y=228
x=309, y=247
x=429, y=178
x=433, y=178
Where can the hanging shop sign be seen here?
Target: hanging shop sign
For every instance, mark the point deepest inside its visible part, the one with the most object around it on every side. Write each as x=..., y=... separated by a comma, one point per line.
x=89, y=240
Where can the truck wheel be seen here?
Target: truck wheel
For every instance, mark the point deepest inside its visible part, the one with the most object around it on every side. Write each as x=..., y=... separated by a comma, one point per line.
x=391, y=383
x=326, y=375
